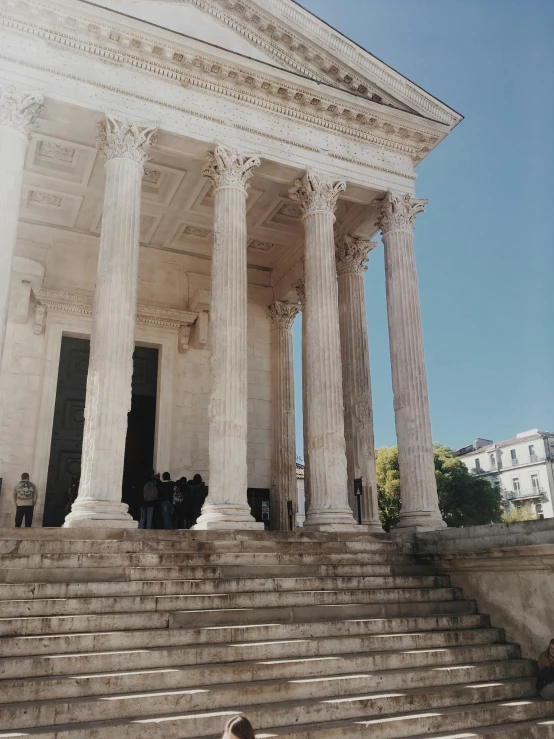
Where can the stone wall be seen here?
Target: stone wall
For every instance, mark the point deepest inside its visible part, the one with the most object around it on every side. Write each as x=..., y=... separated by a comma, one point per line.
x=508, y=569
x=30, y=364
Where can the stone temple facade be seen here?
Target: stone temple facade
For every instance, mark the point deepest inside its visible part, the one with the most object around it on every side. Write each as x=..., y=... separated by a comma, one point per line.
x=175, y=187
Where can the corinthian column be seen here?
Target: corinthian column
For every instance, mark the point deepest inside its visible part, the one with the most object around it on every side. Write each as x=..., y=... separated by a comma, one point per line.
x=420, y=509
x=329, y=509
x=18, y=112
x=351, y=256
x=300, y=288
x=283, y=458
x=108, y=399
x=227, y=504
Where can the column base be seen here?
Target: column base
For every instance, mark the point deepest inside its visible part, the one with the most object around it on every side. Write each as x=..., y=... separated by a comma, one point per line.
x=92, y=513
x=375, y=527
x=420, y=521
x=216, y=517
x=331, y=520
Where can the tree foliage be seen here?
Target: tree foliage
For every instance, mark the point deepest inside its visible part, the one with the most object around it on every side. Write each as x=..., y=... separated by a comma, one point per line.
x=464, y=499
x=519, y=513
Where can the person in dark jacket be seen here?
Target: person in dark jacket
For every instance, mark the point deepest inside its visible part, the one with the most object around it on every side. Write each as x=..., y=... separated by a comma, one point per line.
x=180, y=495
x=199, y=493
x=545, y=680
x=166, y=500
x=148, y=502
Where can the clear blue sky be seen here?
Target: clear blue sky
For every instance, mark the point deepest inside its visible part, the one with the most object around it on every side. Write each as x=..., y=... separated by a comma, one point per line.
x=485, y=246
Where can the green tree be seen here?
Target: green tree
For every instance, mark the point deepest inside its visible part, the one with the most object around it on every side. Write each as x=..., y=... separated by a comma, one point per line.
x=519, y=513
x=464, y=499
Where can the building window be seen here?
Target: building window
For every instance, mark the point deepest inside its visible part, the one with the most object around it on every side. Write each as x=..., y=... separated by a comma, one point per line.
x=535, y=483
x=515, y=485
x=532, y=454
x=513, y=456
x=493, y=461
x=478, y=465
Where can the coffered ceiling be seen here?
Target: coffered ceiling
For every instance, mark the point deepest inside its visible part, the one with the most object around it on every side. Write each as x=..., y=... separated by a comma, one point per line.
x=64, y=184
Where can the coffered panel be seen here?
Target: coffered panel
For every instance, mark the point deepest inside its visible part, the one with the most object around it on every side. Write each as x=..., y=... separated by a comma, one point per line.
x=60, y=159
x=53, y=207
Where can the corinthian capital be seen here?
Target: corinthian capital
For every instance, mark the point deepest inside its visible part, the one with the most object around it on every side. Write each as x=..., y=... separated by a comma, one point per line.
x=282, y=314
x=351, y=255
x=227, y=168
x=300, y=288
x=19, y=110
x=125, y=140
x=316, y=192
x=398, y=212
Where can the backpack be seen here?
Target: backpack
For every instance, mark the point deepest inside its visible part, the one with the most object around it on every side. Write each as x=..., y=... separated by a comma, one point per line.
x=25, y=490
x=178, y=495
x=150, y=492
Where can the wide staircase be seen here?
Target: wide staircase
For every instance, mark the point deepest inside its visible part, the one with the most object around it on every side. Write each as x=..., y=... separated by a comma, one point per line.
x=166, y=635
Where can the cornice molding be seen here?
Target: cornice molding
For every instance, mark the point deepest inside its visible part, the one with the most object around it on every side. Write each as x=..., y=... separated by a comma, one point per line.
x=332, y=58
x=58, y=301
x=86, y=34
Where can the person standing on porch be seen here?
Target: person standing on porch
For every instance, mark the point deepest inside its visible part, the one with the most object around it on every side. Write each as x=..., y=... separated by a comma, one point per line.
x=166, y=500
x=25, y=497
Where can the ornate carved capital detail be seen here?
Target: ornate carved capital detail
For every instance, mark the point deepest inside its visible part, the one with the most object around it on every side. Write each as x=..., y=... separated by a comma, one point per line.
x=300, y=288
x=351, y=255
x=398, y=212
x=19, y=110
x=315, y=192
x=125, y=140
x=228, y=168
x=282, y=314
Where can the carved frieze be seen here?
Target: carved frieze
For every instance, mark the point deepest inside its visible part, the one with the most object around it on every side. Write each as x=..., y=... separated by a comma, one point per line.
x=58, y=301
x=92, y=36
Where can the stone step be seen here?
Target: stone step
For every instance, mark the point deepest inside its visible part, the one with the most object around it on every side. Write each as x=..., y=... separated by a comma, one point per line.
x=459, y=722
x=118, y=640
x=186, y=723
x=158, y=620
x=161, y=603
x=122, y=574
x=422, y=649
x=209, y=586
x=195, y=559
x=187, y=545
x=354, y=666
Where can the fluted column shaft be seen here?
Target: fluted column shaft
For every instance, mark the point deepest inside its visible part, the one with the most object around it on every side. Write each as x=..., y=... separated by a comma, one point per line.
x=108, y=397
x=301, y=292
x=283, y=458
x=18, y=113
x=420, y=509
x=329, y=509
x=227, y=504
x=358, y=413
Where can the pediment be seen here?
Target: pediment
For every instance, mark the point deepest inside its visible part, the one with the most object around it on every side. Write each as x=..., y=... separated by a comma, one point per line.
x=190, y=20
x=286, y=35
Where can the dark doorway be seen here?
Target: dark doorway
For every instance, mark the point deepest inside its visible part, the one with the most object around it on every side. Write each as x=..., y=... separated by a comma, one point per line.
x=258, y=500
x=67, y=430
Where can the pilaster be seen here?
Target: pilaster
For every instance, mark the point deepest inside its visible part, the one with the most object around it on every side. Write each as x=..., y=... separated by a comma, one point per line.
x=18, y=114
